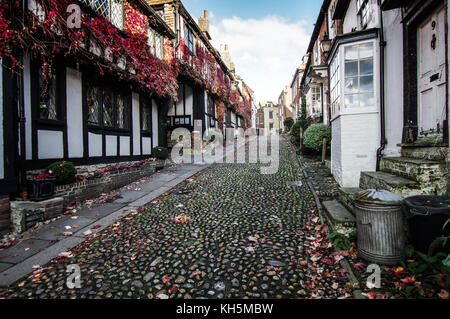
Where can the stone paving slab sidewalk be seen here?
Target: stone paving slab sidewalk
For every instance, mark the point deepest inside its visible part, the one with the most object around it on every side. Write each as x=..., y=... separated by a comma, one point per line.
x=38, y=246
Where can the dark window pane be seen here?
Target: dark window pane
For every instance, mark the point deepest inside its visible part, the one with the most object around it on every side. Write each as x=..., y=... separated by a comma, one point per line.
x=122, y=112
x=351, y=68
x=366, y=67
x=47, y=99
x=146, y=115
x=366, y=83
x=93, y=105
x=108, y=109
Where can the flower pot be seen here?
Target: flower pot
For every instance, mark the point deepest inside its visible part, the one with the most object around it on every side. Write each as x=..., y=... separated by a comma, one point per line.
x=42, y=189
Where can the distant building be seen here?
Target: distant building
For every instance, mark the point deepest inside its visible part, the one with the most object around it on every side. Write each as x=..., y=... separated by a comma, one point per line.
x=286, y=109
x=271, y=117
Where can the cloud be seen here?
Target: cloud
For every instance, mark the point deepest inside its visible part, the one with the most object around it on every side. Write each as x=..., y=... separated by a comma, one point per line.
x=266, y=51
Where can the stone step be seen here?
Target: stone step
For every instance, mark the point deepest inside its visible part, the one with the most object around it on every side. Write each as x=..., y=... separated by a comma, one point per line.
x=339, y=217
x=419, y=170
x=346, y=197
x=427, y=151
x=398, y=185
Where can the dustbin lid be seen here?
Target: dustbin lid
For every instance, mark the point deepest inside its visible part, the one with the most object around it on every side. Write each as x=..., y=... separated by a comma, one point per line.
x=374, y=196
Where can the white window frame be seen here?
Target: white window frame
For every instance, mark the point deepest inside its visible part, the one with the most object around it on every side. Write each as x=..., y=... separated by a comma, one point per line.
x=340, y=56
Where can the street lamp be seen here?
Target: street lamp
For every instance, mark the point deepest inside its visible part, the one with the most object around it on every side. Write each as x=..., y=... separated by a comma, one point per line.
x=325, y=44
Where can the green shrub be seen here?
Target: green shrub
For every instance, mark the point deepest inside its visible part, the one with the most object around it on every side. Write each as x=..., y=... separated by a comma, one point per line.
x=160, y=152
x=64, y=172
x=288, y=122
x=313, y=137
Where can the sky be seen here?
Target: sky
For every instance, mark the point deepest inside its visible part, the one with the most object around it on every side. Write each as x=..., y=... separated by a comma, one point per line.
x=266, y=38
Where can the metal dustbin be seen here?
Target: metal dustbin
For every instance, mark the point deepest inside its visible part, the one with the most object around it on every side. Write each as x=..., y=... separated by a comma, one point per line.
x=380, y=226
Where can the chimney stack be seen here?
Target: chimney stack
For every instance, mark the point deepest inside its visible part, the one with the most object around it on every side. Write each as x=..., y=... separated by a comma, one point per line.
x=203, y=23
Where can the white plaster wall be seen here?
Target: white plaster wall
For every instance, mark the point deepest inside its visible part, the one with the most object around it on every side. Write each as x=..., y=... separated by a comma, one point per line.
x=2, y=142
x=355, y=143
x=155, y=126
x=146, y=146
x=136, y=123
x=393, y=33
x=27, y=102
x=336, y=150
x=74, y=114
x=350, y=19
x=189, y=100
x=124, y=146
x=111, y=145
x=50, y=144
x=180, y=102
x=448, y=71
x=95, y=145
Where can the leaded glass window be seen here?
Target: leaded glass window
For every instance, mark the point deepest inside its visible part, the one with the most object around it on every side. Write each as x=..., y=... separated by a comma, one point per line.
x=146, y=118
x=93, y=105
x=48, y=104
x=108, y=109
x=122, y=112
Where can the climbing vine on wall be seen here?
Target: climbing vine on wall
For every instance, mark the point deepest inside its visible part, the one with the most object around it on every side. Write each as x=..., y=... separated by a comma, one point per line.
x=47, y=34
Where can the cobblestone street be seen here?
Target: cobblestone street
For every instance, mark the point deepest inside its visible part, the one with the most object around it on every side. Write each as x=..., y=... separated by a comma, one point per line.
x=228, y=232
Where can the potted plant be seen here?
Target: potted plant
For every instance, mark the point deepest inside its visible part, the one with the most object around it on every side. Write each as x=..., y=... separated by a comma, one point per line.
x=41, y=187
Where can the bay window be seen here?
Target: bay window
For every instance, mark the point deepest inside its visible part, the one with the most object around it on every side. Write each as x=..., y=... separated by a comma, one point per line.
x=316, y=98
x=352, y=79
x=359, y=75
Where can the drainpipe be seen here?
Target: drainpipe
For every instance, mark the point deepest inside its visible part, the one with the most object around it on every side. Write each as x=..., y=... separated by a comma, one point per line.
x=22, y=119
x=382, y=98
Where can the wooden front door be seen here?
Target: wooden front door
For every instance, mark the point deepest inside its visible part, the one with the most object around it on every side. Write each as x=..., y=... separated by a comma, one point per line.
x=432, y=76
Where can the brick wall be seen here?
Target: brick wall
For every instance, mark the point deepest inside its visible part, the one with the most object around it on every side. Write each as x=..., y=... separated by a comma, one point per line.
x=91, y=188
x=4, y=212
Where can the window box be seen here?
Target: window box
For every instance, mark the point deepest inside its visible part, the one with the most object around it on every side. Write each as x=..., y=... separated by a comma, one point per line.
x=42, y=189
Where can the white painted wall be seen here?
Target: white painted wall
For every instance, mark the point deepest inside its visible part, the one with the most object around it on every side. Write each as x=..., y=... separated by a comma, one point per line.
x=95, y=145
x=50, y=144
x=111, y=145
x=350, y=19
x=2, y=142
x=27, y=102
x=354, y=146
x=180, y=102
x=124, y=146
x=189, y=101
x=155, y=133
x=146, y=146
x=74, y=113
x=393, y=33
x=136, y=123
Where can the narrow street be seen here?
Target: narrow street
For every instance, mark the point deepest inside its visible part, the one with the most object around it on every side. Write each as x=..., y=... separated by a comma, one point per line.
x=241, y=235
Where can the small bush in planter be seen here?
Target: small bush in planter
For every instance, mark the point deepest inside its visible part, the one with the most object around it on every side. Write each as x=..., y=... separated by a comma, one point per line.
x=160, y=152
x=313, y=137
x=64, y=172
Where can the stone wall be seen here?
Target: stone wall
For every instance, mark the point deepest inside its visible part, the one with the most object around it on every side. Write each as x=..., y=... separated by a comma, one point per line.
x=4, y=212
x=25, y=215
